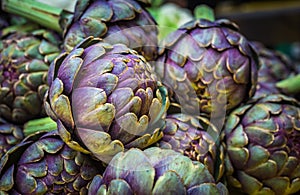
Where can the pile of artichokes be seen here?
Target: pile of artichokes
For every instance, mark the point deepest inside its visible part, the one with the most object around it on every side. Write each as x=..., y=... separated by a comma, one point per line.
x=95, y=101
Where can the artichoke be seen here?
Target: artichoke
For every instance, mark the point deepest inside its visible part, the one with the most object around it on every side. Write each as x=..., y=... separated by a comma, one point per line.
x=208, y=65
x=24, y=63
x=274, y=66
x=44, y=164
x=117, y=21
x=10, y=135
x=195, y=137
x=105, y=98
x=262, y=140
x=155, y=171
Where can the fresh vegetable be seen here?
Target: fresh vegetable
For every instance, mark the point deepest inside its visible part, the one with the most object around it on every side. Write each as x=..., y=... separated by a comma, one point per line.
x=197, y=138
x=105, y=98
x=274, y=66
x=155, y=171
x=262, y=140
x=25, y=54
x=44, y=164
x=117, y=21
x=208, y=65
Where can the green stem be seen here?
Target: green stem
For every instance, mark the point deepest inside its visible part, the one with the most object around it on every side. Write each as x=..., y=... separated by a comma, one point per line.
x=43, y=124
x=43, y=14
x=290, y=85
x=204, y=12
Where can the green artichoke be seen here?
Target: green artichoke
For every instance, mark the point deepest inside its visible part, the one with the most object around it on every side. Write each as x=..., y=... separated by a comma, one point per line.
x=208, y=65
x=44, y=164
x=24, y=63
x=105, y=98
x=10, y=135
x=274, y=66
x=262, y=140
x=155, y=171
x=197, y=138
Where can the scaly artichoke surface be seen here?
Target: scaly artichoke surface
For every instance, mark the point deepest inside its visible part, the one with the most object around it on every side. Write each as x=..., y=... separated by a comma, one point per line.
x=116, y=21
x=24, y=63
x=208, y=65
x=274, y=66
x=155, y=171
x=262, y=144
x=105, y=98
x=44, y=164
x=10, y=135
x=195, y=137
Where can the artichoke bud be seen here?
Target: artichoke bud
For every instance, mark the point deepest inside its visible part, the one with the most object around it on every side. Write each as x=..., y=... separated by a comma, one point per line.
x=126, y=22
x=24, y=64
x=262, y=142
x=195, y=137
x=210, y=67
x=155, y=171
x=42, y=163
x=106, y=99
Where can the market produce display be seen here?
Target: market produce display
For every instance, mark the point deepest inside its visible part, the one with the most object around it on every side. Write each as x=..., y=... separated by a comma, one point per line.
x=116, y=97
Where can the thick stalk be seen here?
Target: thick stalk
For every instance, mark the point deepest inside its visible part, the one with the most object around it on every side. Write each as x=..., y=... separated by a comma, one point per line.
x=43, y=124
x=290, y=85
x=43, y=14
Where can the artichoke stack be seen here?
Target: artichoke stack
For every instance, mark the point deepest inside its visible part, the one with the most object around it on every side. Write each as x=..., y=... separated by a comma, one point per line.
x=262, y=144
x=105, y=98
x=155, y=171
x=25, y=55
x=197, y=138
x=208, y=65
x=199, y=113
x=43, y=164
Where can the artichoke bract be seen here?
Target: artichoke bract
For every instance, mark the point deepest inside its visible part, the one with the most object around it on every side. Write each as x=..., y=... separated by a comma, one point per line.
x=197, y=138
x=208, y=65
x=10, y=135
x=262, y=141
x=274, y=66
x=44, y=164
x=117, y=21
x=155, y=171
x=24, y=62
x=105, y=98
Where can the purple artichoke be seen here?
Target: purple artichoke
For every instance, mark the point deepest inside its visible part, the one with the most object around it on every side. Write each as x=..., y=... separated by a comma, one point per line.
x=195, y=137
x=44, y=164
x=262, y=144
x=274, y=66
x=10, y=135
x=24, y=62
x=155, y=171
x=105, y=98
x=208, y=65
x=116, y=21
